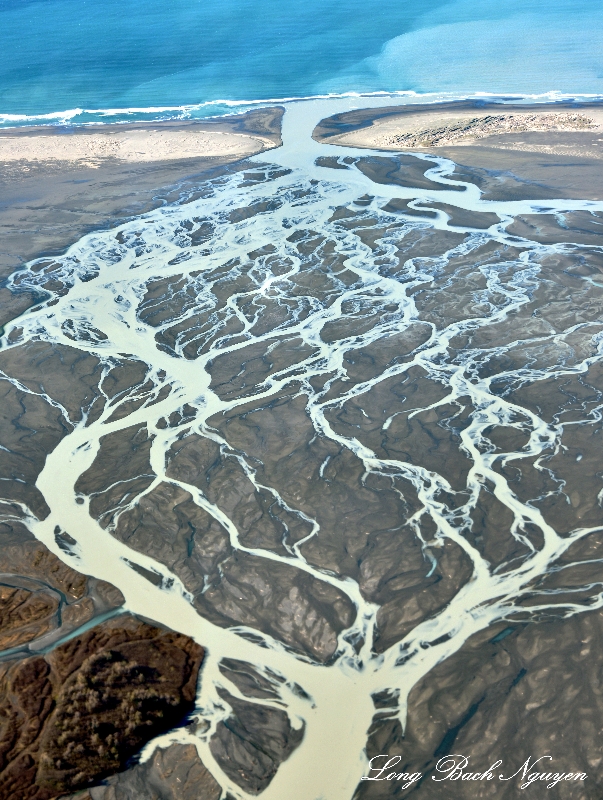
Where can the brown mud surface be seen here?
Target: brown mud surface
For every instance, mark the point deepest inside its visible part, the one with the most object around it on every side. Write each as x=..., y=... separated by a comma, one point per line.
x=176, y=773
x=41, y=598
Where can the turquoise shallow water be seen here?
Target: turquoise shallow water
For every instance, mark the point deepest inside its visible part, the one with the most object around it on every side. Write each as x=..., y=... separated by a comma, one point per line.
x=57, y=55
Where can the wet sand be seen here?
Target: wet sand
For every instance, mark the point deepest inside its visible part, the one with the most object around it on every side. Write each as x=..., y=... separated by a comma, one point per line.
x=57, y=184
x=506, y=165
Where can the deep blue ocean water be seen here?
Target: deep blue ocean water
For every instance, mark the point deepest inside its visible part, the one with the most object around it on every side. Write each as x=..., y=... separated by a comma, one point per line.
x=57, y=55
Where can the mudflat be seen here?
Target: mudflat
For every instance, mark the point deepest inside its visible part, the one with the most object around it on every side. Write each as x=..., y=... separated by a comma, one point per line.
x=346, y=411
x=62, y=631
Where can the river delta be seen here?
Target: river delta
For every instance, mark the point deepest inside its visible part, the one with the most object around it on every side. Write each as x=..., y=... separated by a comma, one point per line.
x=325, y=429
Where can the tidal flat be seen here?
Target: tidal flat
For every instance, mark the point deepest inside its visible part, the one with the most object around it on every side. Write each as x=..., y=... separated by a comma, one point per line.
x=335, y=420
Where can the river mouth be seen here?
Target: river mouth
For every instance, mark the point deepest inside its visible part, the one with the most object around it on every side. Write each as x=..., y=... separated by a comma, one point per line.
x=341, y=429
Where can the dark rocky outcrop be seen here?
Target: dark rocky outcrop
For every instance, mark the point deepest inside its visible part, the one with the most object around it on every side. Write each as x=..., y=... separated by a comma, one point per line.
x=76, y=715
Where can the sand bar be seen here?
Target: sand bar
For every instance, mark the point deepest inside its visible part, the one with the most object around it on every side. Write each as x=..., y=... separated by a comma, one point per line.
x=458, y=125
x=131, y=145
x=91, y=145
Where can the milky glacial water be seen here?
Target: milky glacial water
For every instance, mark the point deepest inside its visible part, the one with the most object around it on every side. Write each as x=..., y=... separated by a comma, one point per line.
x=155, y=57
x=108, y=279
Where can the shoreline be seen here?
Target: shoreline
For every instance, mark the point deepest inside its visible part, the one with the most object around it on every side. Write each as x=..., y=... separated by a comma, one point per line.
x=160, y=140
x=225, y=108
x=58, y=184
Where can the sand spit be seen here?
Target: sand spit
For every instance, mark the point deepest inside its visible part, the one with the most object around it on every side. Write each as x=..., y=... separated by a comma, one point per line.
x=458, y=123
x=512, y=152
x=132, y=146
x=233, y=137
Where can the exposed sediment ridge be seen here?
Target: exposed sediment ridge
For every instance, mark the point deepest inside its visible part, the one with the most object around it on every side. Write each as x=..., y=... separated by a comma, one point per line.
x=469, y=130
x=344, y=432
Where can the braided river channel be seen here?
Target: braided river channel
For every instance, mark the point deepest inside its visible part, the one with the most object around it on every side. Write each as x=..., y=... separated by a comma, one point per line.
x=329, y=426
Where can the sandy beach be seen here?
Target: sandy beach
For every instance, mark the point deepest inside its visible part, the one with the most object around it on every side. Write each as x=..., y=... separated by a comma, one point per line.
x=512, y=151
x=91, y=147
x=464, y=123
x=58, y=183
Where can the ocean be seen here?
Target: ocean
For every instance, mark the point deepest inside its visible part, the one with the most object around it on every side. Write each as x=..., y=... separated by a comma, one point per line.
x=78, y=61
